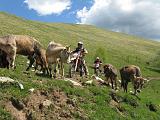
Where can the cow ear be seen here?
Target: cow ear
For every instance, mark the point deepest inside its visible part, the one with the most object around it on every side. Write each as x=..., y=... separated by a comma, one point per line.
x=69, y=46
x=65, y=49
x=104, y=66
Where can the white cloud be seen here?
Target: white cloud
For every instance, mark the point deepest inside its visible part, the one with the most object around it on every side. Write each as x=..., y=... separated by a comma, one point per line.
x=48, y=7
x=137, y=17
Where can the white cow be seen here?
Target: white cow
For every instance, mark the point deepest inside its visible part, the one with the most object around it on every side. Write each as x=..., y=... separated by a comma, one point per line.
x=55, y=54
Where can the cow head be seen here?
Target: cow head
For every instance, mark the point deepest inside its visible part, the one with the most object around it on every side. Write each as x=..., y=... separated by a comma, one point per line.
x=138, y=84
x=107, y=68
x=65, y=55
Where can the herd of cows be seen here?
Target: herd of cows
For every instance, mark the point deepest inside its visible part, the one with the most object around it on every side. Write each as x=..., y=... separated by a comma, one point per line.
x=58, y=54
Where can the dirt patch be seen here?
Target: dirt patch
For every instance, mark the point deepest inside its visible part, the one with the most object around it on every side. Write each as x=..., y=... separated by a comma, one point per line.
x=15, y=113
x=115, y=103
x=50, y=105
x=118, y=107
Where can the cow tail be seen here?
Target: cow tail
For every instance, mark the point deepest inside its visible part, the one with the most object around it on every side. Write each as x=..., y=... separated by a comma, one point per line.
x=36, y=47
x=122, y=78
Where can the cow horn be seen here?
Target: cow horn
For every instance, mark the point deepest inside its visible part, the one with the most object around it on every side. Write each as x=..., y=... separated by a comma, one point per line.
x=67, y=46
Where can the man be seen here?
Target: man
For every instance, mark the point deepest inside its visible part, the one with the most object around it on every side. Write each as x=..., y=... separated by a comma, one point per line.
x=81, y=52
x=97, y=65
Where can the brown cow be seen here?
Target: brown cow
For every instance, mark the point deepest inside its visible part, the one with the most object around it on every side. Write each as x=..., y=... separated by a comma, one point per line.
x=111, y=73
x=41, y=61
x=128, y=74
x=19, y=44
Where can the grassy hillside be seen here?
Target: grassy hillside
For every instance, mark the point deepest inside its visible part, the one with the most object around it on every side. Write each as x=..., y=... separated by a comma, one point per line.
x=115, y=48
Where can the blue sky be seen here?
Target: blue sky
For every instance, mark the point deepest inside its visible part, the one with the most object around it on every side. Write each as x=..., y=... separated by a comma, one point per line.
x=135, y=17
x=19, y=8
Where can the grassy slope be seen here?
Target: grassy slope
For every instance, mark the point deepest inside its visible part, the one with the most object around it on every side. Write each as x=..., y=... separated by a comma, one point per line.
x=120, y=49
x=116, y=48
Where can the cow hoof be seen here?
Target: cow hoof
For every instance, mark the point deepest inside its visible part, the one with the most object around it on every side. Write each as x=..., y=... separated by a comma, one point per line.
x=14, y=67
x=138, y=91
x=86, y=76
x=131, y=92
x=107, y=84
x=116, y=89
x=135, y=94
x=62, y=77
x=54, y=77
x=51, y=76
x=27, y=69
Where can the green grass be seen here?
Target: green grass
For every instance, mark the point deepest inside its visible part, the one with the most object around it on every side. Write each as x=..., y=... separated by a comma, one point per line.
x=4, y=115
x=116, y=48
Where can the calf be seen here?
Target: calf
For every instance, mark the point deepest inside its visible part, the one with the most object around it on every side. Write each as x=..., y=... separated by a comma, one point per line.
x=138, y=83
x=111, y=73
x=41, y=61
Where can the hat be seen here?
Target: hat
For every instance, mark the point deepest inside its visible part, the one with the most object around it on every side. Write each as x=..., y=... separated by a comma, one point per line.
x=80, y=43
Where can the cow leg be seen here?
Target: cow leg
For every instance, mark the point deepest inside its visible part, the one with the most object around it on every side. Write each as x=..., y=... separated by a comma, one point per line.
x=58, y=67
x=62, y=70
x=13, y=57
x=106, y=80
x=43, y=66
x=125, y=86
x=35, y=67
x=46, y=66
x=112, y=82
x=47, y=69
x=85, y=67
x=11, y=60
x=44, y=69
x=122, y=83
x=50, y=70
x=55, y=70
x=32, y=60
x=115, y=82
x=40, y=69
x=135, y=88
x=3, y=60
x=141, y=86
